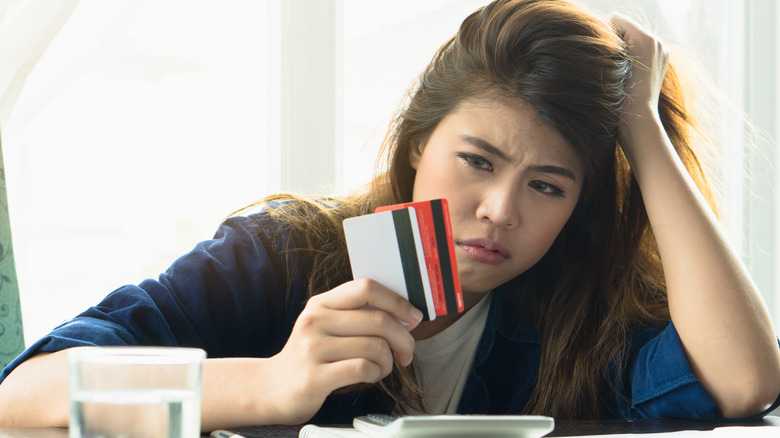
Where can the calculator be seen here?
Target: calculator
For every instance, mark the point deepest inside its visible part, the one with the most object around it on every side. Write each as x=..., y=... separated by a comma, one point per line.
x=488, y=426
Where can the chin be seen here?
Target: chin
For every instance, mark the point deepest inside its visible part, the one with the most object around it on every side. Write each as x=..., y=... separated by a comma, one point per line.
x=479, y=287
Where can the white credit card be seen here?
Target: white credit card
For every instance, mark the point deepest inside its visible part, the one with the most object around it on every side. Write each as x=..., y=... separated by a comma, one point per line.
x=386, y=247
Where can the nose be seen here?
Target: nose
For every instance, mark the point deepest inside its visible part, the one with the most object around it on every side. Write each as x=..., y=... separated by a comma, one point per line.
x=500, y=206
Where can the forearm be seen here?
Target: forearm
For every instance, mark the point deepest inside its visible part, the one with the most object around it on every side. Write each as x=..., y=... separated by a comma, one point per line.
x=716, y=308
x=36, y=393
x=236, y=393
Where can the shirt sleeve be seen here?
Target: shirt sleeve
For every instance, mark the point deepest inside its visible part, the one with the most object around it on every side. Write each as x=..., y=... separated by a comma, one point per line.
x=659, y=382
x=228, y=296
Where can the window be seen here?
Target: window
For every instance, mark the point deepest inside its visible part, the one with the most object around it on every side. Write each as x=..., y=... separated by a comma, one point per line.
x=734, y=43
x=140, y=129
x=146, y=123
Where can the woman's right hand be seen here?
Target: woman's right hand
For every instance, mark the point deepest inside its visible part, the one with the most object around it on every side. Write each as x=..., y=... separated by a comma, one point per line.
x=351, y=334
x=348, y=335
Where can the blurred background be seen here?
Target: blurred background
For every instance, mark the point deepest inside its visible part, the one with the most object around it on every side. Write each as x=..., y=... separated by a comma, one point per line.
x=137, y=126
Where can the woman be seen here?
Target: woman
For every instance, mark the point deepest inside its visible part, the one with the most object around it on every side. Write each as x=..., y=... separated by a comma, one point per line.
x=596, y=279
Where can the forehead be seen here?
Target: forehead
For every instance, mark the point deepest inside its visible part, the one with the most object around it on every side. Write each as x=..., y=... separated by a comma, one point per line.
x=512, y=126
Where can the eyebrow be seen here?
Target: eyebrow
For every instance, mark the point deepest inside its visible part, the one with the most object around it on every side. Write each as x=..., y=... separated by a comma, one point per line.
x=489, y=148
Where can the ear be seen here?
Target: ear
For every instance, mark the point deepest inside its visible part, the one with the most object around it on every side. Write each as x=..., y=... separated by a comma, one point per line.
x=415, y=154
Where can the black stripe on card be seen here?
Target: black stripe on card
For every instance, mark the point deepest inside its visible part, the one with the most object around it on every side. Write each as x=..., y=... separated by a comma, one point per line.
x=440, y=230
x=409, y=262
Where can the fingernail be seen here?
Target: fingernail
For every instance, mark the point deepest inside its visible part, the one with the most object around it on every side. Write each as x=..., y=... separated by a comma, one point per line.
x=403, y=363
x=416, y=314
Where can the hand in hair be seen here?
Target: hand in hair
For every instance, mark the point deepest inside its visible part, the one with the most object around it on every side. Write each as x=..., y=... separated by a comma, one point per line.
x=650, y=59
x=724, y=326
x=348, y=335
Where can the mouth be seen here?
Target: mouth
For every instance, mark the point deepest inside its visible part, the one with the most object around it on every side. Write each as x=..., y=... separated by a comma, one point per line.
x=484, y=250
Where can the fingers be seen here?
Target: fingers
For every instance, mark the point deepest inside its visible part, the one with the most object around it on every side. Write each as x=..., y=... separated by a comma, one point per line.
x=352, y=371
x=365, y=292
x=359, y=319
x=642, y=44
x=362, y=324
x=373, y=350
x=629, y=29
x=376, y=324
x=649, y=62
x=365, y=308
x=351, y=334
x=623, y=23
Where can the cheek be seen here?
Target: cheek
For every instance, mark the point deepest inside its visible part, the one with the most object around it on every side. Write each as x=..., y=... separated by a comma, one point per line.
x=433, y=180
x=547, y=226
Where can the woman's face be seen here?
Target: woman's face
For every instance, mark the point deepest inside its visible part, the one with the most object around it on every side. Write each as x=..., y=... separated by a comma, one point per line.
x=511, y=182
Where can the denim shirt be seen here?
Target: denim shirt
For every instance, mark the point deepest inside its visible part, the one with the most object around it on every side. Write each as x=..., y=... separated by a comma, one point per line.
x=227, y=296
x=658, y=382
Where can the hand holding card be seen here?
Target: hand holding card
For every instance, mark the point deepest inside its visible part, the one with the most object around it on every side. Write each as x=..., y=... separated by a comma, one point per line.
x=409, y=248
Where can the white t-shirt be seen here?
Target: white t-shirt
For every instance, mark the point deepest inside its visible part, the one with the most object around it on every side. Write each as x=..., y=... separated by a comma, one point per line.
x=443, y=361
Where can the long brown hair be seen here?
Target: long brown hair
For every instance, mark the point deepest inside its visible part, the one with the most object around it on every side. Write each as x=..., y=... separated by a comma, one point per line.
x=602, y=279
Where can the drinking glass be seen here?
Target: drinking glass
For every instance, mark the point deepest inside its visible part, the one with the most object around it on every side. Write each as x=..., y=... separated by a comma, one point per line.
x=133, y=392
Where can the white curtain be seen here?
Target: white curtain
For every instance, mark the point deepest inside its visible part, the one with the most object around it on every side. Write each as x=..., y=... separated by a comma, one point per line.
x=118, y=188
x=29, y=29
x=24, y=36
x=139, y=127
x=26, y=29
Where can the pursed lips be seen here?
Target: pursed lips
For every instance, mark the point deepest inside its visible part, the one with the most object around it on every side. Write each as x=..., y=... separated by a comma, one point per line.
x=484, y=250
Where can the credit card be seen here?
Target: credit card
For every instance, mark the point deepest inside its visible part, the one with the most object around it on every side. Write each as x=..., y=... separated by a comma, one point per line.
x=386, y=247
x=433, y=218
x=409, y=248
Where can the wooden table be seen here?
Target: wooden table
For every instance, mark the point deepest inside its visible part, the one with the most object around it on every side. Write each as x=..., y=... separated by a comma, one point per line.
x=562, y=428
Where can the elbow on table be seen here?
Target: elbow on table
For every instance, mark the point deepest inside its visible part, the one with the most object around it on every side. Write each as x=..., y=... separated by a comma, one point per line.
x=751, y=400
x=29, y=398
x=9, y=406
x=5, y=417
x=17, y=411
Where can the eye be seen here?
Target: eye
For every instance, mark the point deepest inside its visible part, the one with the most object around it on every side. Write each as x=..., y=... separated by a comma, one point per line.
x=476, y=162
x=547, y=189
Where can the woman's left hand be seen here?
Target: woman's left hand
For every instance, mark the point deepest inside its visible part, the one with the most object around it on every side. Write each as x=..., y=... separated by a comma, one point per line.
x=723, y=324
x=650, y=59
